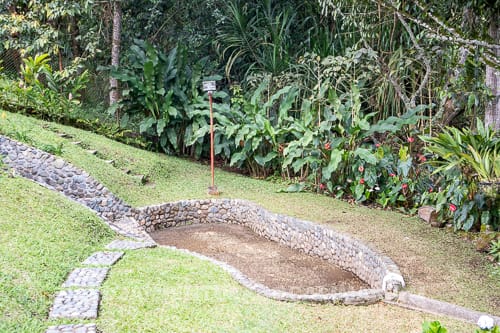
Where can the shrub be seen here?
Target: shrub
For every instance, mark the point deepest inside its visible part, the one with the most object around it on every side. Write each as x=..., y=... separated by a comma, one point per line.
x=469, y=162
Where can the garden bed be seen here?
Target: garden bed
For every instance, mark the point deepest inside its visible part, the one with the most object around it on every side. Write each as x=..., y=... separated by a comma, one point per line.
x=269, y=263
x=377, y=271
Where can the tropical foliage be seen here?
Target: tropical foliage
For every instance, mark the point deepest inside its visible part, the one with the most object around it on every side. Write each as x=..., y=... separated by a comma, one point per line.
x=473, y=160
x=371, y=101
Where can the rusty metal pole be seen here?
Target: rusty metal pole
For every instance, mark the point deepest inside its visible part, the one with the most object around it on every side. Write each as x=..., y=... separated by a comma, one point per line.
x=209, y=87
x=212, y=168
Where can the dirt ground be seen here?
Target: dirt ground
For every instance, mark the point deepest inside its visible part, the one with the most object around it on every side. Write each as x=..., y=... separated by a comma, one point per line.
x=275, y=266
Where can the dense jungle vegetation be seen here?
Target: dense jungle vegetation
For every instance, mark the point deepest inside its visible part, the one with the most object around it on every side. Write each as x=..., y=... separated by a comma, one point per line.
x=385, y=102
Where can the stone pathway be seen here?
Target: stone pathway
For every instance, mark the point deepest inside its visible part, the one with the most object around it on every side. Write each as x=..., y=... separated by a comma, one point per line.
x=77, y=328
x=78, y=303
x=83, y=303
x=103, y=258
x=86, y=277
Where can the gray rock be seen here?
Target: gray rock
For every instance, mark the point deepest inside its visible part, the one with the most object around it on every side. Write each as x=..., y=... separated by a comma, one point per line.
x=103, y=258
x=79, y=303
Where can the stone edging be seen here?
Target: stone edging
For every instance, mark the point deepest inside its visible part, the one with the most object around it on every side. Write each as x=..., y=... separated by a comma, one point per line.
x=360, y=297
x=379, y=271
x=58, y=175
x=421, y=303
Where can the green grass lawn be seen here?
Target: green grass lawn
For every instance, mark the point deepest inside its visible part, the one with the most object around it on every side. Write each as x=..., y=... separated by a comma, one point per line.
x=160, y=290
x=43, y=236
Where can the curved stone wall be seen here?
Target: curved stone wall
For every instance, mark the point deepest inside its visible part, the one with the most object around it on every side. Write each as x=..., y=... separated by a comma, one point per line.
x=58, y=175
x=377, y=270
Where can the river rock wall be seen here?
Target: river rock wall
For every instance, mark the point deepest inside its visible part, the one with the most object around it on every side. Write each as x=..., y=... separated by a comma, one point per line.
x=56, y=174
x=377, y=270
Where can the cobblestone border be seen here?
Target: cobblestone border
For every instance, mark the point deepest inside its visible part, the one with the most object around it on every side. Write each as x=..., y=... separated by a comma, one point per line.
x=379, y=271
x=359, y=297
x=56, y=174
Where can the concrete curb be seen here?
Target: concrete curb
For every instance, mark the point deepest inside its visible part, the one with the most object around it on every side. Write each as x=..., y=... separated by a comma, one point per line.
x=424, y=304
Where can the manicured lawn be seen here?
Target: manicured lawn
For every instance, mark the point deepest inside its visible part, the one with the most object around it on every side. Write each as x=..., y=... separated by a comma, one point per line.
x=151, y=289
x=161, y=290
x=43, y=236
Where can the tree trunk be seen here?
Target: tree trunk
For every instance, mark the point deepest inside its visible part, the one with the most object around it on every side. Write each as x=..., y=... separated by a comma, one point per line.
x=492, y=113
x=114, y=93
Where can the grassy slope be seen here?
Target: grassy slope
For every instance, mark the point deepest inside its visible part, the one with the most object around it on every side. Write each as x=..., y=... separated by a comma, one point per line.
x=162, y=290
x=43, y=237
x=434, y=263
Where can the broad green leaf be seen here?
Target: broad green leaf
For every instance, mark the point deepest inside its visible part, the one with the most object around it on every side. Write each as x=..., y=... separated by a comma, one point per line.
x=238, y=158
x=146, y=124
x=295, y=188
x=469, y=222
x=172, y=111
x=256, y=141
x=172, y=137
x=359, y=192
x=485, y=217
x=307, y=138
x=364, y=124
x=366, y=155
x=263, y=160
x=148, y=71
x=160, y=126
x=335, y=159
x=199, y=133
x=299, y=163
x=124, y=120
x=404, y=167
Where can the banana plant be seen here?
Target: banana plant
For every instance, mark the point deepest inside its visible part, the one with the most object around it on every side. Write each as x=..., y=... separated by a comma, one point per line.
x=258, y=135
x=153, y=92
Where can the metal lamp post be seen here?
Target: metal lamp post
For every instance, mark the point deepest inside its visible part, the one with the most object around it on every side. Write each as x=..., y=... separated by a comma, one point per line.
x=209, y=87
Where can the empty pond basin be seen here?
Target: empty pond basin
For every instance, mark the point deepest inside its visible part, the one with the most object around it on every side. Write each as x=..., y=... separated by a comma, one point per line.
x=269, y=263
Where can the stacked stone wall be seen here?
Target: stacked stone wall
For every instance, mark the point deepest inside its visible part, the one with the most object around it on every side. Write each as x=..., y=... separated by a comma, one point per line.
x=58, y=175
x=378, y=271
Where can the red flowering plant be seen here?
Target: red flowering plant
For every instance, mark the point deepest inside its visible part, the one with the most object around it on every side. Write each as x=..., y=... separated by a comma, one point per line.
x=453, y=202
x=464, y=159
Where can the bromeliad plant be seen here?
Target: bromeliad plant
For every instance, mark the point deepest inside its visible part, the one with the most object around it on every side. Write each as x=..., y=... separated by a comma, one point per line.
x=474, y=157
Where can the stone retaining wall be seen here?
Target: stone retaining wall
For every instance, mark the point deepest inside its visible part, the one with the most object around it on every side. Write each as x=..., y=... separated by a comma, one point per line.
x=378, y=271
x=58, y=175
